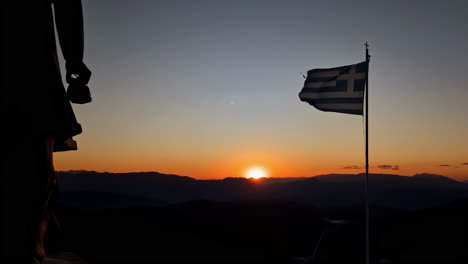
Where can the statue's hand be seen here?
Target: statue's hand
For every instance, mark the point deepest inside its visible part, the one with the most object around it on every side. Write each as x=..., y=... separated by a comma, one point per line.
x=77, y=73
x=78, y=76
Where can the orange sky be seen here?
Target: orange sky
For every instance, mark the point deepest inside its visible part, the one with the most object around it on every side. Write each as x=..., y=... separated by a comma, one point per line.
x=215, y=164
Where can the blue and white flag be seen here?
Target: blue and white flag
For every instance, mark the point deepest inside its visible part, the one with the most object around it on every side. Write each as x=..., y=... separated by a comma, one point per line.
x=338, y=89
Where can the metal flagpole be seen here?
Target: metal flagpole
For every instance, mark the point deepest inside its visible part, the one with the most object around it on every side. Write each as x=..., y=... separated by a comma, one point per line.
x=367, y=156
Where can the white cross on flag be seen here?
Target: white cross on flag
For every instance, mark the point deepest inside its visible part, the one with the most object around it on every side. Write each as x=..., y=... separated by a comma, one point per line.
x=338, y=89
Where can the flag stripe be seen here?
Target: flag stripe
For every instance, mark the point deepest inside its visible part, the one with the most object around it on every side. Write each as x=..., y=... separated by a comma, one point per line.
x=340, y=106
x=344, y=111
x=320, y=79
x=323, y=74
x=336, y=70
x=320, y=84
x=325, y=89
x=334, y=100
x=331, y=95
x=358, y=75
x=336, y=86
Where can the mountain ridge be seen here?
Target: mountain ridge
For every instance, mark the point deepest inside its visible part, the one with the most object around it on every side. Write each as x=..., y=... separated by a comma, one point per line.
x=391, y=190
x=330, y=176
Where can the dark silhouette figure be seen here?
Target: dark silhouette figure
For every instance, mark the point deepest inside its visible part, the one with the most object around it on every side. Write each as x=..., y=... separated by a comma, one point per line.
x=36, y=115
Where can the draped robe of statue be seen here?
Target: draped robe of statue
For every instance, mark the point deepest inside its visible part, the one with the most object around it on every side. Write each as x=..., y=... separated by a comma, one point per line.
x=33, y=94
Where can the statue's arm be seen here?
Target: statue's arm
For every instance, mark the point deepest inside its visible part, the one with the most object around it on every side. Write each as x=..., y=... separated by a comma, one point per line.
x=69, y=23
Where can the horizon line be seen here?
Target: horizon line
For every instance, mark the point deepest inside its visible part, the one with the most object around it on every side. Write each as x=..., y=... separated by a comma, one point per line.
x=303, y=177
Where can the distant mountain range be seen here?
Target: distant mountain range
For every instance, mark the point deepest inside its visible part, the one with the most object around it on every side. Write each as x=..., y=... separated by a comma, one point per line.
x=95, y=189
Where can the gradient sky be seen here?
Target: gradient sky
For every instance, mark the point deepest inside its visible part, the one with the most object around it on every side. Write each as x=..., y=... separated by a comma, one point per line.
x=208, y=88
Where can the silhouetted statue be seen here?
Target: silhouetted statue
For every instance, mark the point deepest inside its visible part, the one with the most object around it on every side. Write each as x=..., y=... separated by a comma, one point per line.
x=37, y=115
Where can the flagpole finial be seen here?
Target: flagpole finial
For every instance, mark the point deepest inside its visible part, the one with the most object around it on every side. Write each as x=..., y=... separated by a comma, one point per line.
x=367, y=51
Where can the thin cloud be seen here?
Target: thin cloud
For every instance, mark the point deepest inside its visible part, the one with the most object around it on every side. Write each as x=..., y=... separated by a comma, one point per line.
x=352, y=167
x=466, y=163
x=445, y=165
x=389, y=167
x=384, y=167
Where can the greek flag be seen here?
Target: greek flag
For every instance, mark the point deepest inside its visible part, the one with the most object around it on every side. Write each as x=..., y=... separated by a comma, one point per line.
x=338, y=89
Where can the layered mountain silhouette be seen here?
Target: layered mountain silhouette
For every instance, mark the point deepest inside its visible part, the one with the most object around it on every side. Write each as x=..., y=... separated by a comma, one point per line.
x=94, y=189
x=150, y=217
x=263, y=231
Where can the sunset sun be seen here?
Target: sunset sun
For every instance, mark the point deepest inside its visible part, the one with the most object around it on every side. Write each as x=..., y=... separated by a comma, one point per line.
x=256, y=173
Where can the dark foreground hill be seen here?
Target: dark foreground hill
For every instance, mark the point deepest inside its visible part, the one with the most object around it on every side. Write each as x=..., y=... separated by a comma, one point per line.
x=261, y=232
x=151, y=188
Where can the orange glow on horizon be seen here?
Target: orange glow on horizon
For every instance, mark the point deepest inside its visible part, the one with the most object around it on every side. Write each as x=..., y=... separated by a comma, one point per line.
x=256, y=173
x=276, y=163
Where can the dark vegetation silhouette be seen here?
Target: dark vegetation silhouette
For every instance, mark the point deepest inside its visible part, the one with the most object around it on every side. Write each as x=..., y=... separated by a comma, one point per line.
x=254, y=231
x=259, y=221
